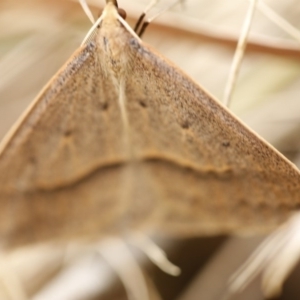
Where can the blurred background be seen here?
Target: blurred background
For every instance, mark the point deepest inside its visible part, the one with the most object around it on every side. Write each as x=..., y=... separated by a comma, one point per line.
x=200, y=36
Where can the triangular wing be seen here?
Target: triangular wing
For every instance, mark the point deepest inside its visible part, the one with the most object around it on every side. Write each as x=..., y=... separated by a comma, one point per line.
x=208, y=172
x=191, y=166
x=61, y=164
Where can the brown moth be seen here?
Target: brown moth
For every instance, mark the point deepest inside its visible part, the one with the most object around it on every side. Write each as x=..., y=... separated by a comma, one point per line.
x=121, y=138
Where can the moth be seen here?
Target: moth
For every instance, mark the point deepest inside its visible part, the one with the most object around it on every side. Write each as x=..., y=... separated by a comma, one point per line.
x=120, y=138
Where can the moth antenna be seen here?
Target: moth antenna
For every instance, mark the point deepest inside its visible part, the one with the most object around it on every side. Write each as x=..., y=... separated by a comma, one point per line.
x=141, y=18
x=116, y=252
x=87, y=10
x=92, y=31
x=239, y=54
x=154, y=253
x=278, y=20
x=146, y=23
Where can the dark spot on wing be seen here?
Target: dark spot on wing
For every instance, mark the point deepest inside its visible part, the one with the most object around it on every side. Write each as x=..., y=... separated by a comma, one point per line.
x=105, y=42
x=104, y=106
x=142, y=104
x=32, y=160
x=185, y=124
x=68, y=133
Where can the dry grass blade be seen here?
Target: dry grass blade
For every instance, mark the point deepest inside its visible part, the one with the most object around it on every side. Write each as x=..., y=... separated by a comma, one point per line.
x=87, y=10
x=154, y=253
x=239, y=54
x=116, y=252
x=274, y=258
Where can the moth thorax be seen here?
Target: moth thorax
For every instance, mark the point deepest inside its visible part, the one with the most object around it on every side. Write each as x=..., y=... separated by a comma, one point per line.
x=116, y=60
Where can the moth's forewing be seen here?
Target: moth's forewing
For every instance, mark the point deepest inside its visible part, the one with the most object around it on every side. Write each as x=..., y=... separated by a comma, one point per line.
x=193, y=168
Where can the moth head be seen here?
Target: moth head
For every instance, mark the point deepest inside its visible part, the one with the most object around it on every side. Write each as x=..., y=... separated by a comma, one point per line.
x=121, y=11
x=114, y=2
